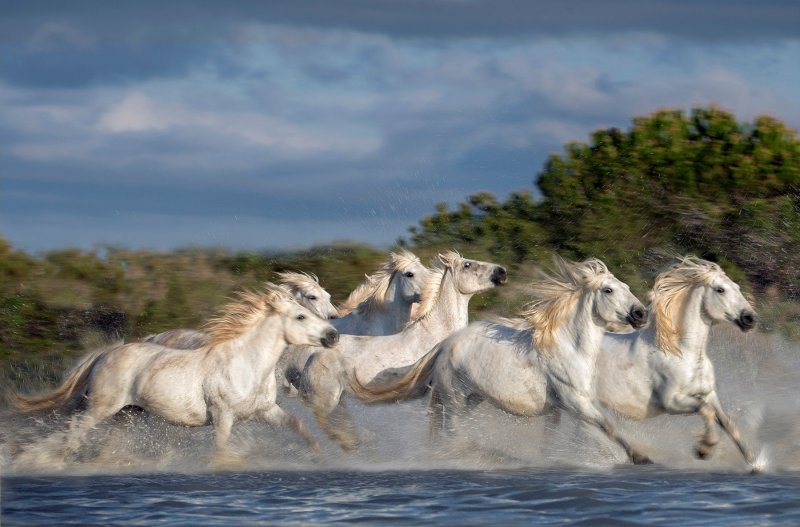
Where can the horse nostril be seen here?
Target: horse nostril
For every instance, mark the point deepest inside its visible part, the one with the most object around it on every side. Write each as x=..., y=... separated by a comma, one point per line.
x=747, y=319
x=331, y=338
x=499, y=275
x=637, y=316
x=333, y=317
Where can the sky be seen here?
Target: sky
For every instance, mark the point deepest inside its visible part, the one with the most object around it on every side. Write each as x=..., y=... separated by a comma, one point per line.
x=281, y=125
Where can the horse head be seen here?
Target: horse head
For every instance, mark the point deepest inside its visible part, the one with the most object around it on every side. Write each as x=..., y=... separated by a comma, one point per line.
x=301, y=326
x=723, y=301
x=409, y=276
x=472, y=276
x=556, y=295
x=306, y=289
x=613, y=303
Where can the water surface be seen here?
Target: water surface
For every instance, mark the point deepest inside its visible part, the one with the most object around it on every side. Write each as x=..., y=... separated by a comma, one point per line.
x=620, y=496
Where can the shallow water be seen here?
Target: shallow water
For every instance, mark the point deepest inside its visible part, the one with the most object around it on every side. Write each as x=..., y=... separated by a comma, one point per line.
x=622, y=496
x=138, y=469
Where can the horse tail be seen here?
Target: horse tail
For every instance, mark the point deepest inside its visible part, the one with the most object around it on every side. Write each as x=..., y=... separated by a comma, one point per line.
x=404, y=388
x=74, y=385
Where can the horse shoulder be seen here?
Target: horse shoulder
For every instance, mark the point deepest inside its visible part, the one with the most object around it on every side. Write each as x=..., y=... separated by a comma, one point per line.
x=625, y=377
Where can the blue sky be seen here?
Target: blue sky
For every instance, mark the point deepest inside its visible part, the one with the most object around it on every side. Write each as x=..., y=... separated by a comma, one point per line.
x=274, y=125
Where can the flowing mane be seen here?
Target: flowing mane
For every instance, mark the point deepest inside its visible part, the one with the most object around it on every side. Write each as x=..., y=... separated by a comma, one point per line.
x=238, y=316
x=669, y=293
x=556, y=295
x=298, y=282
x=371, y=295
x=433, y=284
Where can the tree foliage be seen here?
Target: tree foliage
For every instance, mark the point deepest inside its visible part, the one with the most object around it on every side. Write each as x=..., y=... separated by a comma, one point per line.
x=697, y=182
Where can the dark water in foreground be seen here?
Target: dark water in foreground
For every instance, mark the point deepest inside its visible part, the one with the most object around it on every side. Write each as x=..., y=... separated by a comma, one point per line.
x=622, y=496
x=501, y=470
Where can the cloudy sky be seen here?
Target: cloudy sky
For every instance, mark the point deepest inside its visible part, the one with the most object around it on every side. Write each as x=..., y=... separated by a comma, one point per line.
x=267, y=125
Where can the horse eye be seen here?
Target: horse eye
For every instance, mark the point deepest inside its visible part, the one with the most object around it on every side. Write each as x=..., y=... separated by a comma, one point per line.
x=467, y=264
x=311, y=297
x=721, y=290
x=409, y=275
x=301, y=317
x=608, y=290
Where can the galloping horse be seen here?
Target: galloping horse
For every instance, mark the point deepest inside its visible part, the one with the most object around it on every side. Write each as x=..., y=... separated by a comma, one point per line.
x=665, y=368
x=445, y=300
x=229, y=379
x=382, y=304
x=526, y=371
x=303, y=286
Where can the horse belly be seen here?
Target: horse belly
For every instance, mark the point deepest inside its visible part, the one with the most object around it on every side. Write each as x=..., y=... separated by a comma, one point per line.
x=505, y=378
x=178, y=398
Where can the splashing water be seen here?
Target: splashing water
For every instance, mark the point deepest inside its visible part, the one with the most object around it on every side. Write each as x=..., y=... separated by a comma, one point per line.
x=756, y=376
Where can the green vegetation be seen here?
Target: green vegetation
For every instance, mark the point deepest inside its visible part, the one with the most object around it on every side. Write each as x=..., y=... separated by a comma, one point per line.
x=674, y=183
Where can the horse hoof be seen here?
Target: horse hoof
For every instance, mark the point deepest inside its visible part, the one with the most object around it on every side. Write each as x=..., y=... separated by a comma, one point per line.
x=702, y=452
x=227, y=461
x=642, y=460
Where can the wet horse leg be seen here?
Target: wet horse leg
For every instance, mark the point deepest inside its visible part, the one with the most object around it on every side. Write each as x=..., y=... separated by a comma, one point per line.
x=590, y=414
x=705, y=446
x=336, y=423
x=82, y=425
x=222, y=419
x=730, y=428
x=276, y=416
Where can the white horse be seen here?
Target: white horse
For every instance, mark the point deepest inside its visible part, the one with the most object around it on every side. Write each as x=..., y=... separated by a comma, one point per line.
x=382, y=304
x=665, y=368
x=304, y=287
x=531, y=367
x=445, y=300
x=227, y=380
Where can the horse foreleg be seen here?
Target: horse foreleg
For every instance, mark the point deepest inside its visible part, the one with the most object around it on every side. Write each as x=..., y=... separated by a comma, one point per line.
x=593, y=416
x=731, y=429
x=337, y=425
x=277, y=417
x=222, y=420
x=705, y=446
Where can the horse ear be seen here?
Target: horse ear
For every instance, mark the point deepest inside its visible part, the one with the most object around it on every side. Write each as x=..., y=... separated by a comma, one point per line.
x=449, y=258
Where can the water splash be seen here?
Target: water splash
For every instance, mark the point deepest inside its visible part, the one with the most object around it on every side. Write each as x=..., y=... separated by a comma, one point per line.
x=756, y=376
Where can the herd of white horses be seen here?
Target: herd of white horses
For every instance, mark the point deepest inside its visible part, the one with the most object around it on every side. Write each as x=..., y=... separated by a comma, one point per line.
x=405, y=334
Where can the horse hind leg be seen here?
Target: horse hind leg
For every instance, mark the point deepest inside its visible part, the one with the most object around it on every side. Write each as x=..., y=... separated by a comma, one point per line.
x=82, y=425
x=436, y=415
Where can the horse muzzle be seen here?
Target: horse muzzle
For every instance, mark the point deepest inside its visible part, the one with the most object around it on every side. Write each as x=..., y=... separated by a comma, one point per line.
x=746, y=320
x=499, y=275
x=330, y=339
x=637, y=317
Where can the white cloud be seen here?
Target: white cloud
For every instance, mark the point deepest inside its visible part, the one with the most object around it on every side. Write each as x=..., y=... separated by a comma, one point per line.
x=137, y=112
x=134, y=113
x=333, y=112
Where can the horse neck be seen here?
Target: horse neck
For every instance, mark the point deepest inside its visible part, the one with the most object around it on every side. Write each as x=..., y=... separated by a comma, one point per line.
x=260, y=346
x=578, y=334
x=572, y=365
x=395, y=309
x=450, y=312
x=693, y=329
